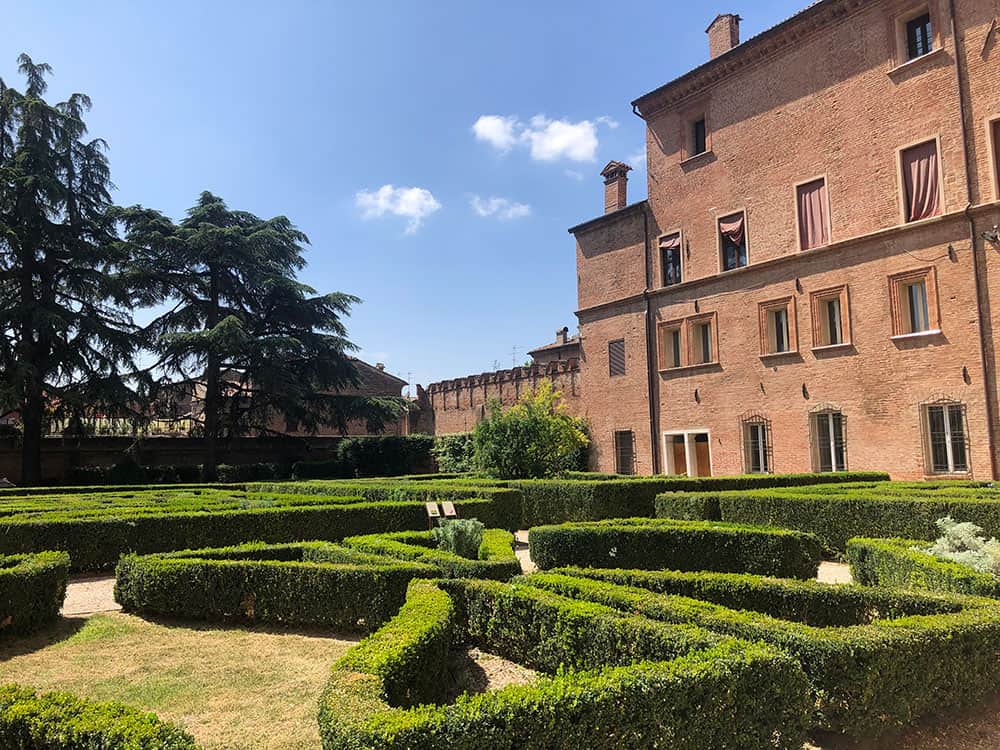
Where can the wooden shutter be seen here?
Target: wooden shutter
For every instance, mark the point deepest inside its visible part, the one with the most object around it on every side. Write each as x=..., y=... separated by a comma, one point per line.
x=616, y=357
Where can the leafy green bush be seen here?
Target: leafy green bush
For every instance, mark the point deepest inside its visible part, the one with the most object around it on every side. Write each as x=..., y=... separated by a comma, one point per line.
x=964, y=543
x=461, y=536
x=836, y=513
x=61, y=721
x=493, y=559
x=297, y=584
x=678, y=545
x=713, y=692
x=535, y=437
x=454, y=453
x=883, y=671
x=906, y=563
x=97, y=529
x=32, y=590
x=372, y=456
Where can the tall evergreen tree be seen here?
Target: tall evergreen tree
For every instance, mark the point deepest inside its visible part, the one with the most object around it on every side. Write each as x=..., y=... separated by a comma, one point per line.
x=64, y=335
x=255, y=343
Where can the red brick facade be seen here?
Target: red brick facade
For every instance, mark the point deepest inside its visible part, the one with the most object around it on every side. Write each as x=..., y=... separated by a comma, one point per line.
x=831, y=94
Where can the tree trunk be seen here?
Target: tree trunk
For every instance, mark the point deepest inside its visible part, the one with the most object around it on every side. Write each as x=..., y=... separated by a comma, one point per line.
x=32, y=413
x=212, y=405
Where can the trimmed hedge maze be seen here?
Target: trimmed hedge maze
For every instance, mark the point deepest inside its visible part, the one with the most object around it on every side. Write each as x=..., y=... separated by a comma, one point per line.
x=677, y=545
x=32, y=590
x=900, y=563
x=875, y=658
x=641, y=684
x=96, y=529
x=61, y=721
x=351, y=588
x=836, y=513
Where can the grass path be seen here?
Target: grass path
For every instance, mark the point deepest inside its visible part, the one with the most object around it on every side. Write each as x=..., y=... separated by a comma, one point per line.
x=237, y=688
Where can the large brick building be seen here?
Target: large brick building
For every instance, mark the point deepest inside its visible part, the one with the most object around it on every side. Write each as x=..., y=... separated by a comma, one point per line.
x=811, y=283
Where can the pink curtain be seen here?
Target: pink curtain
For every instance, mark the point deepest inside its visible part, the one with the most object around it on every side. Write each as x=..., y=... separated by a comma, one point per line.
x=813, y=215
x=732, y=228
x=920, y=170
x=673, y=242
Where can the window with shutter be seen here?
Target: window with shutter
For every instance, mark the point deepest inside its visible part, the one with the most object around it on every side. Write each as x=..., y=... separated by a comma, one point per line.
x=616, y=357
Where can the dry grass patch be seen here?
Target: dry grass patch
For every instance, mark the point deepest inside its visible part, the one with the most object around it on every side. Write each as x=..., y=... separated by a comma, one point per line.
x=231, y=688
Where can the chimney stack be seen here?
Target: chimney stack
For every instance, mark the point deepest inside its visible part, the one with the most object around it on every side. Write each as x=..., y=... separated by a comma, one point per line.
x=723, y=34
x=615, y=176
x=562, y=335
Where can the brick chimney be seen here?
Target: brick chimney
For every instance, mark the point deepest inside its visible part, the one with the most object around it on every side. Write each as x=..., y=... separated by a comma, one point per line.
x=562, y=335
x=615, y=176
x=723, y=34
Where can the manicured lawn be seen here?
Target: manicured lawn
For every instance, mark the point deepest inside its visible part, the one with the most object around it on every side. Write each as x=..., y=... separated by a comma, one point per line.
x=231, y=688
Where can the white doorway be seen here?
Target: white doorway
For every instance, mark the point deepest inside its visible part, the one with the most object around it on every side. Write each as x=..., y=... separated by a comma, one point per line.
x=688, y=453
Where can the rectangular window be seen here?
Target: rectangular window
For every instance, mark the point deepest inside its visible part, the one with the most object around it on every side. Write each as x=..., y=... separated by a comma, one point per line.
x=831, y=322
x=625, y=452
x=814, y=214
x=757, y=447
x=733, y=241
x=919, y=39
x=922, y=189
x=670, y=257
x=946, y=440
x=616, y=357
x=829, y=441
x=699, y=137
x=914, y=301
x=671, y=346
x=995, y=130
x=778, y=333
x=702, y=338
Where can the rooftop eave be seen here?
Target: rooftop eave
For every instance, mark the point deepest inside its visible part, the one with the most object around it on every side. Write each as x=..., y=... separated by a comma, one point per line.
x=621, y=213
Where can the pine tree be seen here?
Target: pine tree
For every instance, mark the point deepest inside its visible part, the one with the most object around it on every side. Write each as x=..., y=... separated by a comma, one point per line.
x=65, y=333
x=256, y=344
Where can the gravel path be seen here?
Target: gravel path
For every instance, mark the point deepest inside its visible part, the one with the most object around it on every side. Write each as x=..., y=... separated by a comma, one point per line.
x=88, y=595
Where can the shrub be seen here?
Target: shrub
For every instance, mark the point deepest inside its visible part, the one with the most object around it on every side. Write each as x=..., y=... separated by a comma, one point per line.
x=535, y=437
x=372, y=456
x=454, y=453
x=303, y=584
x=836, y=513
x=97, y=533
x=61, y=721
x=493, y=559
x=32, y=590
x=594, y=497
x=965, y=544
x=678, y=545
x=867, y=677
x=723, y=695
x=461, y=536
x=901, y=563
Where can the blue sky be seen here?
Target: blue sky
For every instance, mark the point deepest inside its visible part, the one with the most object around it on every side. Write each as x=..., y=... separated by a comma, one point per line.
x=358, y=120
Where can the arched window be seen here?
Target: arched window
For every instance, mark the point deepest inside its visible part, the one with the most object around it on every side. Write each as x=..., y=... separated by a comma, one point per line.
x=757, y=456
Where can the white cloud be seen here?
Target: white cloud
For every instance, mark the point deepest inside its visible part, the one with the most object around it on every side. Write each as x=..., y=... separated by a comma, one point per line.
x=546, y=139
x=498, y=131
x=573, y=174
x=637, y=160
x=412, y=203
x=502, y=208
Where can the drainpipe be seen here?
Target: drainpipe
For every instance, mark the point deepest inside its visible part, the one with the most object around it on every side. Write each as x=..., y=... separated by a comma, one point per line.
x=982, y=299
x=653, y=396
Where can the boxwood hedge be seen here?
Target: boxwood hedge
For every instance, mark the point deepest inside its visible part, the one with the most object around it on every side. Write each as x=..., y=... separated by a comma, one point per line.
x=496, y=560
x=721, y=693
x=61, y=721
x=897, y=663
x=902, y=563
x=32, y=590
x=678, y=545
x=96, y=538
x=313, y=583
x=836, y=513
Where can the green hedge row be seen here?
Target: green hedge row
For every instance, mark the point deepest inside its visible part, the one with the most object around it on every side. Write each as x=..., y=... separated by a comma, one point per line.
x=867, y=677
x=296, y=584
x=96, y=543
x=725, y=694
x=836, y=514
x=32, y=590
x=676, y=545
x=372, y=456
x=497, y=560
x=548, y=501
x=895, y=563
x=61, y=721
